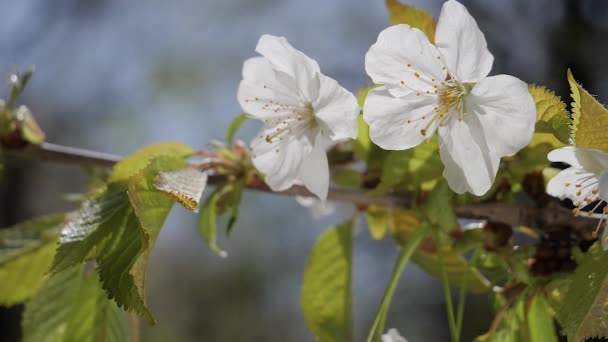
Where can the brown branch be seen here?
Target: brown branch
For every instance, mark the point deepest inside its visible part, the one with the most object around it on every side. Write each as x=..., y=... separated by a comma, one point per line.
x=498, y=212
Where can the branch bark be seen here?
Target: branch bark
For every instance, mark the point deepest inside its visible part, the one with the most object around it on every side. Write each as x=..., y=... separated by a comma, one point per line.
x=543, y=218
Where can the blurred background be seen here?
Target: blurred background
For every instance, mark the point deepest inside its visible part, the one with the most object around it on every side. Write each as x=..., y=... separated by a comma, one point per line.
x=115, y=75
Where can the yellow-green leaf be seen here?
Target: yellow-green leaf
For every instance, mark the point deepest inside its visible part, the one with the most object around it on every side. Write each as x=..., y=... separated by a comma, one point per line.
x=363, y=143
x=405, y=14
x=551, y=114
x=377, y=221
x=327, y=286
x=72, y=307
x=540, y=321
x=118, y=230
x=26, y=253
x=583, y=313
x=208, y=223
x=590, y=118
x=234, y=127
x=30, y=130
x=134, y=163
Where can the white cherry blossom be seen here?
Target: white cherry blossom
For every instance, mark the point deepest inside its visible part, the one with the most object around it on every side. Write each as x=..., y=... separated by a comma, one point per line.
x=444, y=88
x=303, y=111
x=585, y=181
x=393, y=336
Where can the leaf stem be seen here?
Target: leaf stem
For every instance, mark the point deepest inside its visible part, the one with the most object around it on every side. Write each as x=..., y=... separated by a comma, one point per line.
x=404, y=256
x=462, y=298
x=449, y=306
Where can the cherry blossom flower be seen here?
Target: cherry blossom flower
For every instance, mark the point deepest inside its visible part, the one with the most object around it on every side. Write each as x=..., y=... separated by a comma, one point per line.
x=303, y=112
x=445, y=89
x=393, y=336
x=585, y=181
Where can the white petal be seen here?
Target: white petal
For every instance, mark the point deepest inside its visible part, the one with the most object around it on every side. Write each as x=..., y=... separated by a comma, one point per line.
x=587, y=159
x=314, y=171
x=279, y=160
x=266, y=93
x=393, y=336
x=292, y=62
x=506, y=112
x=388, y=116
x=469, y=166
x=603, y=185
x=462, y=44
x=404, y=54
x=318, y=208
x=557, y=185
x=336, y=110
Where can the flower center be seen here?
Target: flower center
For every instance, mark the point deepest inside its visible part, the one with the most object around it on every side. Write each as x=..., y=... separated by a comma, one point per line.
x=452, y=96
x=294, y=124
x=587, y=192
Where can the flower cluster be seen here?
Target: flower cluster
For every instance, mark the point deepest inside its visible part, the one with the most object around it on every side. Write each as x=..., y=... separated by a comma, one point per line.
x=423, y=89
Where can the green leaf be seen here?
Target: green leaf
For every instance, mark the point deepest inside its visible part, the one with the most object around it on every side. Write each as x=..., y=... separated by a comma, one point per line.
x=583, y=314
x=551, y=114
x=134, y=163
x=540, y=321
x=26, y=254
x=327, y=285
x=590, y=118
x=438, y=209
x=185, y=186
x=363, y=143
x=347, y=178
x=208, y=223
x=234, y=127
x=72, y=307
x=405, y=14
x=377, y=221
x=511, y=328
x=403, y=225
x=30, y=131
x=233, y=202
x=394, y=171
x=418, y=167
x=118, y=230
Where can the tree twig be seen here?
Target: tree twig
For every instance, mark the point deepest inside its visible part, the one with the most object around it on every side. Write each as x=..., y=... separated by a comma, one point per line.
x=498, y=212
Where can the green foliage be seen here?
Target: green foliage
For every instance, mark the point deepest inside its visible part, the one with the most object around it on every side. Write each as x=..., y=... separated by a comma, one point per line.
x=26, y=254
x=327, y=285
x=234, y=127
x=132, y=164
x=118, y=230
x=394, y=171
x=583, y=313
x=30, y=131
x=363, y=144
x=590, y=118
x=72, y=307
x=540, y=321
x=438, y=209
x=407, y=249
x=231, y=201
x=208, y=222
x=405, y=14
x=522, y=318
x=377, y=221
x=551, y=114
x=414, y=168
x=404, y=223
x=347, y=178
